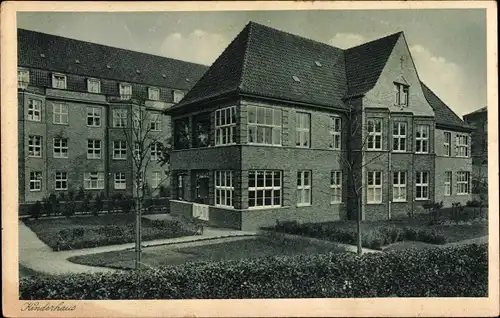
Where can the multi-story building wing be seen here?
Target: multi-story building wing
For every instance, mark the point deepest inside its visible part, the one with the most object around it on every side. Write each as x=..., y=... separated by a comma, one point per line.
x=479, y=149
x=76, y=101
x=263, y=135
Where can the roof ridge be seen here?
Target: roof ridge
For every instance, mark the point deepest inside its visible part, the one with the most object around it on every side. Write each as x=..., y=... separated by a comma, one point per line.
x=375, y=40
x=245, y=54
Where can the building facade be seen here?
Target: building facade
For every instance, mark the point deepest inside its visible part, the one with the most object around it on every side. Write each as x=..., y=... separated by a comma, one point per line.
x=285, y=128
x=78, y=106
x=479, y=151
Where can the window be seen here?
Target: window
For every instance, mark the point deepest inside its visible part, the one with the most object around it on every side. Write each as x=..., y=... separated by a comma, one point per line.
x=120, y=181
x=93, y=180
x=125, y=91
x=402, y=93
x=93, y=149
x=304, y=188
x=399, y=186
x=225, y=126
x=264, y=188
x=94, y=116
x=155, y=151
x=60, y=148
x=335, y=131
x=60, y=113
x=153, y=93
x=422, y=185
x=447, y=143
x=447, y=183
x=93, y=85
x=35, y=146
x=35, y=181
x=34, y=110
x=463, y=182
x=462, y=142
x=120, y=118
x=155, y=124
x=61, y=180
x=178, y=96
x=336, y=186
x=23, y=78
x=182, y=133
x=59, y=81
x=119, y=149
x=399, y=137
x=374, y=141
x=374, y=190
x=155, y=179
x=224, y=188
x=303, y=130
x=422, y=139
x=137, y=151
x=264, y=126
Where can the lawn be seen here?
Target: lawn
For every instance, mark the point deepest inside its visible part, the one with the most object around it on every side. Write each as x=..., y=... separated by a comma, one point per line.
x=91, y=231
x=221, y=249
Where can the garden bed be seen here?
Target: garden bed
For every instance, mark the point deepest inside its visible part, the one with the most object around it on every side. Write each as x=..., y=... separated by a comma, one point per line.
x=92, y=231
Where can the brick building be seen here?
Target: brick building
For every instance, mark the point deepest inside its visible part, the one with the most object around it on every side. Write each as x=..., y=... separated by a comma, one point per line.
x=264, y=134
x=479, y=149
x=76, y=102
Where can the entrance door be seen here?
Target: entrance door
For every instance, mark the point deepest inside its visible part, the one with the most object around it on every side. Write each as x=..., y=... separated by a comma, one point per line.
x=202, y=186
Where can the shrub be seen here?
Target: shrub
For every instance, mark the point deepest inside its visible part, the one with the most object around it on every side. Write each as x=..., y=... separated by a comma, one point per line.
x=126, y=204
x=98, y=204
x=440, y=272
x=36, y=210
x=473, y=203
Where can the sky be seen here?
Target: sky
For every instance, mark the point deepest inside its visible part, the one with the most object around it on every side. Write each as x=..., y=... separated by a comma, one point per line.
x=447, y=45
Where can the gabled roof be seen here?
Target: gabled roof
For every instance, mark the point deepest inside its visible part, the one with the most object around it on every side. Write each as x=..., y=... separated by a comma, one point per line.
x=365, y=62
x=45, y=51
x=478, y=111
x=445, y=117
x=270, y=63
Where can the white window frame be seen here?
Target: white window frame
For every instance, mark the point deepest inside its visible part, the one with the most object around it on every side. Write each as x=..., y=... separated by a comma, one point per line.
x=34, y=110
x=93, y=180
x=254, y=126
x=256, y=189
x=419, y=182
x=336, y=186
x=177, y=96
x=397, y=128
x=120, y=118
x=93, y=85
x=60, y=147
x=302, y=130
x=225, y=126
x=23, y=78
x=304, y=188
x=374, y=187
x=155, y=179
x=125, y=91
x=120, y=181
x=336, y=132
x=155, y=123
x=59, y=81
x=448, y=175
x=35, y=146
x=155, y=152
x=94, y=114
x=402, y=94
x=35, y=181
x=61, y=181
x=421, y=140
x=447, y=144
x=463, y=182
x=153, y=93
x=399, y=181
x=60, y=113
x=373, y=134
x=224, y=188
x=119, y=150
x=94, y=149
x=462, y=145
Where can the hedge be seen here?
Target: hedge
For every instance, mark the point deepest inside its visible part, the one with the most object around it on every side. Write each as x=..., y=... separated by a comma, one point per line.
x=437, y=272
x=373, y=235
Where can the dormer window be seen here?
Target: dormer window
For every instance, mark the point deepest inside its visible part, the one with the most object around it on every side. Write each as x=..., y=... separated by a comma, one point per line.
x=23, y=78
x=59, y=81
x=125, y=91
x=178, y=96
x=402, y=94
x=93, y=85
x=153, y=93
